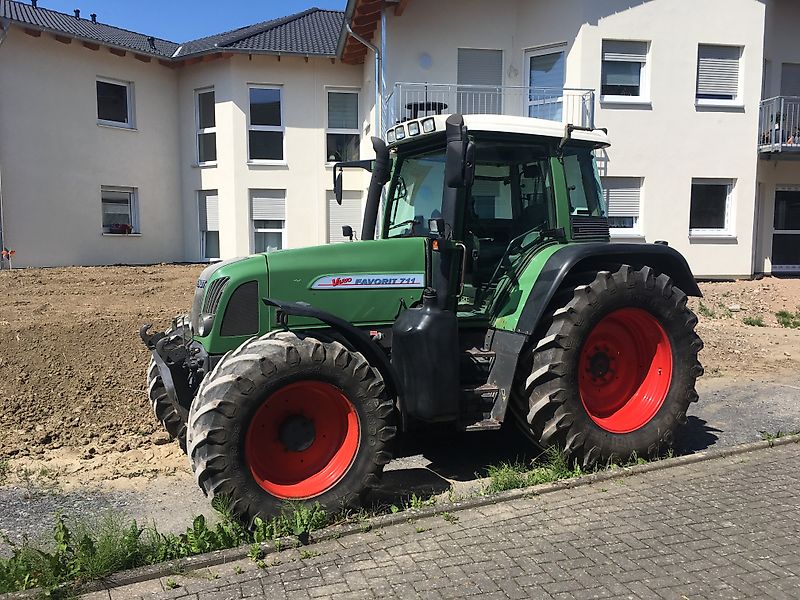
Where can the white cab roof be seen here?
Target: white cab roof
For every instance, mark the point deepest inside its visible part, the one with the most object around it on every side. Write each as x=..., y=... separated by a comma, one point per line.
x=508, y=124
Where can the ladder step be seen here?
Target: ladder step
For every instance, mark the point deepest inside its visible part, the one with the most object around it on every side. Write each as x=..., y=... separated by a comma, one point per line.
x=485, y=425
x=478, y=353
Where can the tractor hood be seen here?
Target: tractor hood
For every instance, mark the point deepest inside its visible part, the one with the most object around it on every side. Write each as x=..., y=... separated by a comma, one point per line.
x=365, y=283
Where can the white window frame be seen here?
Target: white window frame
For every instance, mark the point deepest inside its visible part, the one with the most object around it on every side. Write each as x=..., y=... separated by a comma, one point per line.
x=736, y=102
x=201, y=195
x=256, y=230
x=133, y=205
x=199, y=130
x=356, y=131
x=644, y=78
x=728, y=231
x=636, y=230
x=253, y=229
x=131, y=124
x=277, y=128
x=528, y=54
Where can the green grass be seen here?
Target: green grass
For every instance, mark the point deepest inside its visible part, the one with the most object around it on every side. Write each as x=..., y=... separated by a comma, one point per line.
x=82, y=551
x=788, y=319
x=552, y=466
x=769, y=436
x=754, y=321
x=705, y=311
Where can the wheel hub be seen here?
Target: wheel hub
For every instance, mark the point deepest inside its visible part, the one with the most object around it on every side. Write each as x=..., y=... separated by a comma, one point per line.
x=297, y=433
x=625, y=370
x=599, y=364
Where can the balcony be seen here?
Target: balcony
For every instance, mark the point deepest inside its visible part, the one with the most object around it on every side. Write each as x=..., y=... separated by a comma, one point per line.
x=565, y=105
x=779, y=126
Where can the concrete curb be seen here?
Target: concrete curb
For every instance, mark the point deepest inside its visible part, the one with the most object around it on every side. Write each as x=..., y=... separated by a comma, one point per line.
x=219, y=557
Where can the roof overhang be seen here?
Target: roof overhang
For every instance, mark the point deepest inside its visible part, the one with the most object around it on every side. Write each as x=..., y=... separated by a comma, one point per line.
x=363, y=17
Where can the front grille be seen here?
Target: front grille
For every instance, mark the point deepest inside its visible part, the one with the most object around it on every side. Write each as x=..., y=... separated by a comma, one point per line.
x=241, y=312
x=584, y=228
x=214, y=295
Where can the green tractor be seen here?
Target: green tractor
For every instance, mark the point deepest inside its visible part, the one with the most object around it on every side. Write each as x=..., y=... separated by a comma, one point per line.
x=484, y=288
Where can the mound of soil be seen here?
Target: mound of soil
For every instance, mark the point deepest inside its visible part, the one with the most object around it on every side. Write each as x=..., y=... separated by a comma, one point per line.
x=72, y=366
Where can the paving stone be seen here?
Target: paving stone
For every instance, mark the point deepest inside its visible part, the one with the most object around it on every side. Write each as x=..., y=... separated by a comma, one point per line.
x=725, y=528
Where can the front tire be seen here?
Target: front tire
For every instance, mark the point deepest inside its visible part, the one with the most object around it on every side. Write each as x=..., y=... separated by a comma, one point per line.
x=288, y=417
x=171, y=415
x=615, y=371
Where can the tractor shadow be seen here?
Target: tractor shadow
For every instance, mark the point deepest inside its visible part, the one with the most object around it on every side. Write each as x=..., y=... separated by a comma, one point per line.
x=695, y=436
x=428, y=461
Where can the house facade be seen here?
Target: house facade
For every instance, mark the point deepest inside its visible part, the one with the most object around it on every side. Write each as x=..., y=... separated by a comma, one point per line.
x=116, y=147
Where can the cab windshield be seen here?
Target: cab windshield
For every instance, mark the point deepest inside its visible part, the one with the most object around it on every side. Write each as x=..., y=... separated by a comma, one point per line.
x=415, y=194
x=511, y=193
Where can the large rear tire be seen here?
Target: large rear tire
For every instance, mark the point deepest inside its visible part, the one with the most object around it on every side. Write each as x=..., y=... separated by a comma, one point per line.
x=614, y=372
x=288, y=417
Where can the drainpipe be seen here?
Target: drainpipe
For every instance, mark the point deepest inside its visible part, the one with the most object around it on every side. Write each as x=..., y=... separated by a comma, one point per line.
x=4, y=26
x=378, y=74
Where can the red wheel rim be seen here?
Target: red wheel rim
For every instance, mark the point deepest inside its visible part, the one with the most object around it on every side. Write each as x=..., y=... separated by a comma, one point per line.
x=302, y=440
x=625, y=370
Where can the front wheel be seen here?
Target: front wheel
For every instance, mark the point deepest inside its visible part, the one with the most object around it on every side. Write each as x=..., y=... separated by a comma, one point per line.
x=615, y=372
x=288, y=417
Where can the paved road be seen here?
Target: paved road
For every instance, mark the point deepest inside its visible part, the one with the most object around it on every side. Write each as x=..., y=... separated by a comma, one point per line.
x=723, y=528
x=728, y=413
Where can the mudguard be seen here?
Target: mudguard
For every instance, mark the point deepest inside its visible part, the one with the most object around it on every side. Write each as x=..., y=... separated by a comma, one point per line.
x=598, y=256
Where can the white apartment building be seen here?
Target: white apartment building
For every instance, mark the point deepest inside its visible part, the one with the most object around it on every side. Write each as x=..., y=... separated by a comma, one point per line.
x=116, y=147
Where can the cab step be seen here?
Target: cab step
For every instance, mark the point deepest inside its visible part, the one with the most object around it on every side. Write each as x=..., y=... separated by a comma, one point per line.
x=485, y=425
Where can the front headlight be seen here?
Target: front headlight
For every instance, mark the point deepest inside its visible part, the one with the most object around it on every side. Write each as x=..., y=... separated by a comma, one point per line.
x=205, y=326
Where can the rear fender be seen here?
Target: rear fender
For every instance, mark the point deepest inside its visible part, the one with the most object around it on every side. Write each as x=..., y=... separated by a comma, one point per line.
x=597, y=257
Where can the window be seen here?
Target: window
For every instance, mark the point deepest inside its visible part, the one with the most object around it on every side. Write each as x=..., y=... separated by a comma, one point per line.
x=711, y=207
x=623, y=196
x=583, y=183
x=718, y=74
x=268, y=215
x=115, y=103
x=349, y=213
x=545, y=78
x=475, y=67
x=206, y=127
x=119, y=209
x=624, y=70
x=208, y=210
x=266, y=124
x=343, y=134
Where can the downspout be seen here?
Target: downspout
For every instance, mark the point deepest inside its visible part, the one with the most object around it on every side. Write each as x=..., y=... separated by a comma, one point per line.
x=4, y=26
x=378, y=74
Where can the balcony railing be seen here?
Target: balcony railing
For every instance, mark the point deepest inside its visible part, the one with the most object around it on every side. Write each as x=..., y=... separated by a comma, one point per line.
x=779, y=124
x=565, y=105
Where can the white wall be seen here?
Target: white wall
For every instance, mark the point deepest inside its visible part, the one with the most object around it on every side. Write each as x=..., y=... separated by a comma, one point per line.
x=668, y=142
x=54, y=157
x=303, y=173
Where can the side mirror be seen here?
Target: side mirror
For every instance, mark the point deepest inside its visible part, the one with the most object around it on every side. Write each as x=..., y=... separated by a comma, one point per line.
x=459, y=169
x=347, y=231
x=337, y=187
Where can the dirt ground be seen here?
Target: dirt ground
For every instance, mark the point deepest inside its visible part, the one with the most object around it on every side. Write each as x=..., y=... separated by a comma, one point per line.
x=73, y=401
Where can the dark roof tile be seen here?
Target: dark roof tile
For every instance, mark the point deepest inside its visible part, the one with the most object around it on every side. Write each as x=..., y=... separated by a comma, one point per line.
x=51, y=20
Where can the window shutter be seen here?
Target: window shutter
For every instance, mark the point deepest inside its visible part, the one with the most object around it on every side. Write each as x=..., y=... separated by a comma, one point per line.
x=790, y=79
x=480, y=67
x=209, y=212
x=268, y=205
x=625, y=51
x=622, y=195
x=342, y=110
x=718, y=71
x=349, y=213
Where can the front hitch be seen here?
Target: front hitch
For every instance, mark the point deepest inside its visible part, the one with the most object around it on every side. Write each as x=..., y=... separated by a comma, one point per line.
x=173, y=358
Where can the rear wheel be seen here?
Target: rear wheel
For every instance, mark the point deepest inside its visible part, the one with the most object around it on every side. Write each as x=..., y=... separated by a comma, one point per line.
x=288, y=417
x=615, y=371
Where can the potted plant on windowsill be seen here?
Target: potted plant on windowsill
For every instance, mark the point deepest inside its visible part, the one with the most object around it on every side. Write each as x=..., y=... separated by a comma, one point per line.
x=120, y=228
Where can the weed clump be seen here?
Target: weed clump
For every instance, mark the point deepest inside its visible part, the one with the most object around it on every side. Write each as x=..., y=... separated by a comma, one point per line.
x=790, y=320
